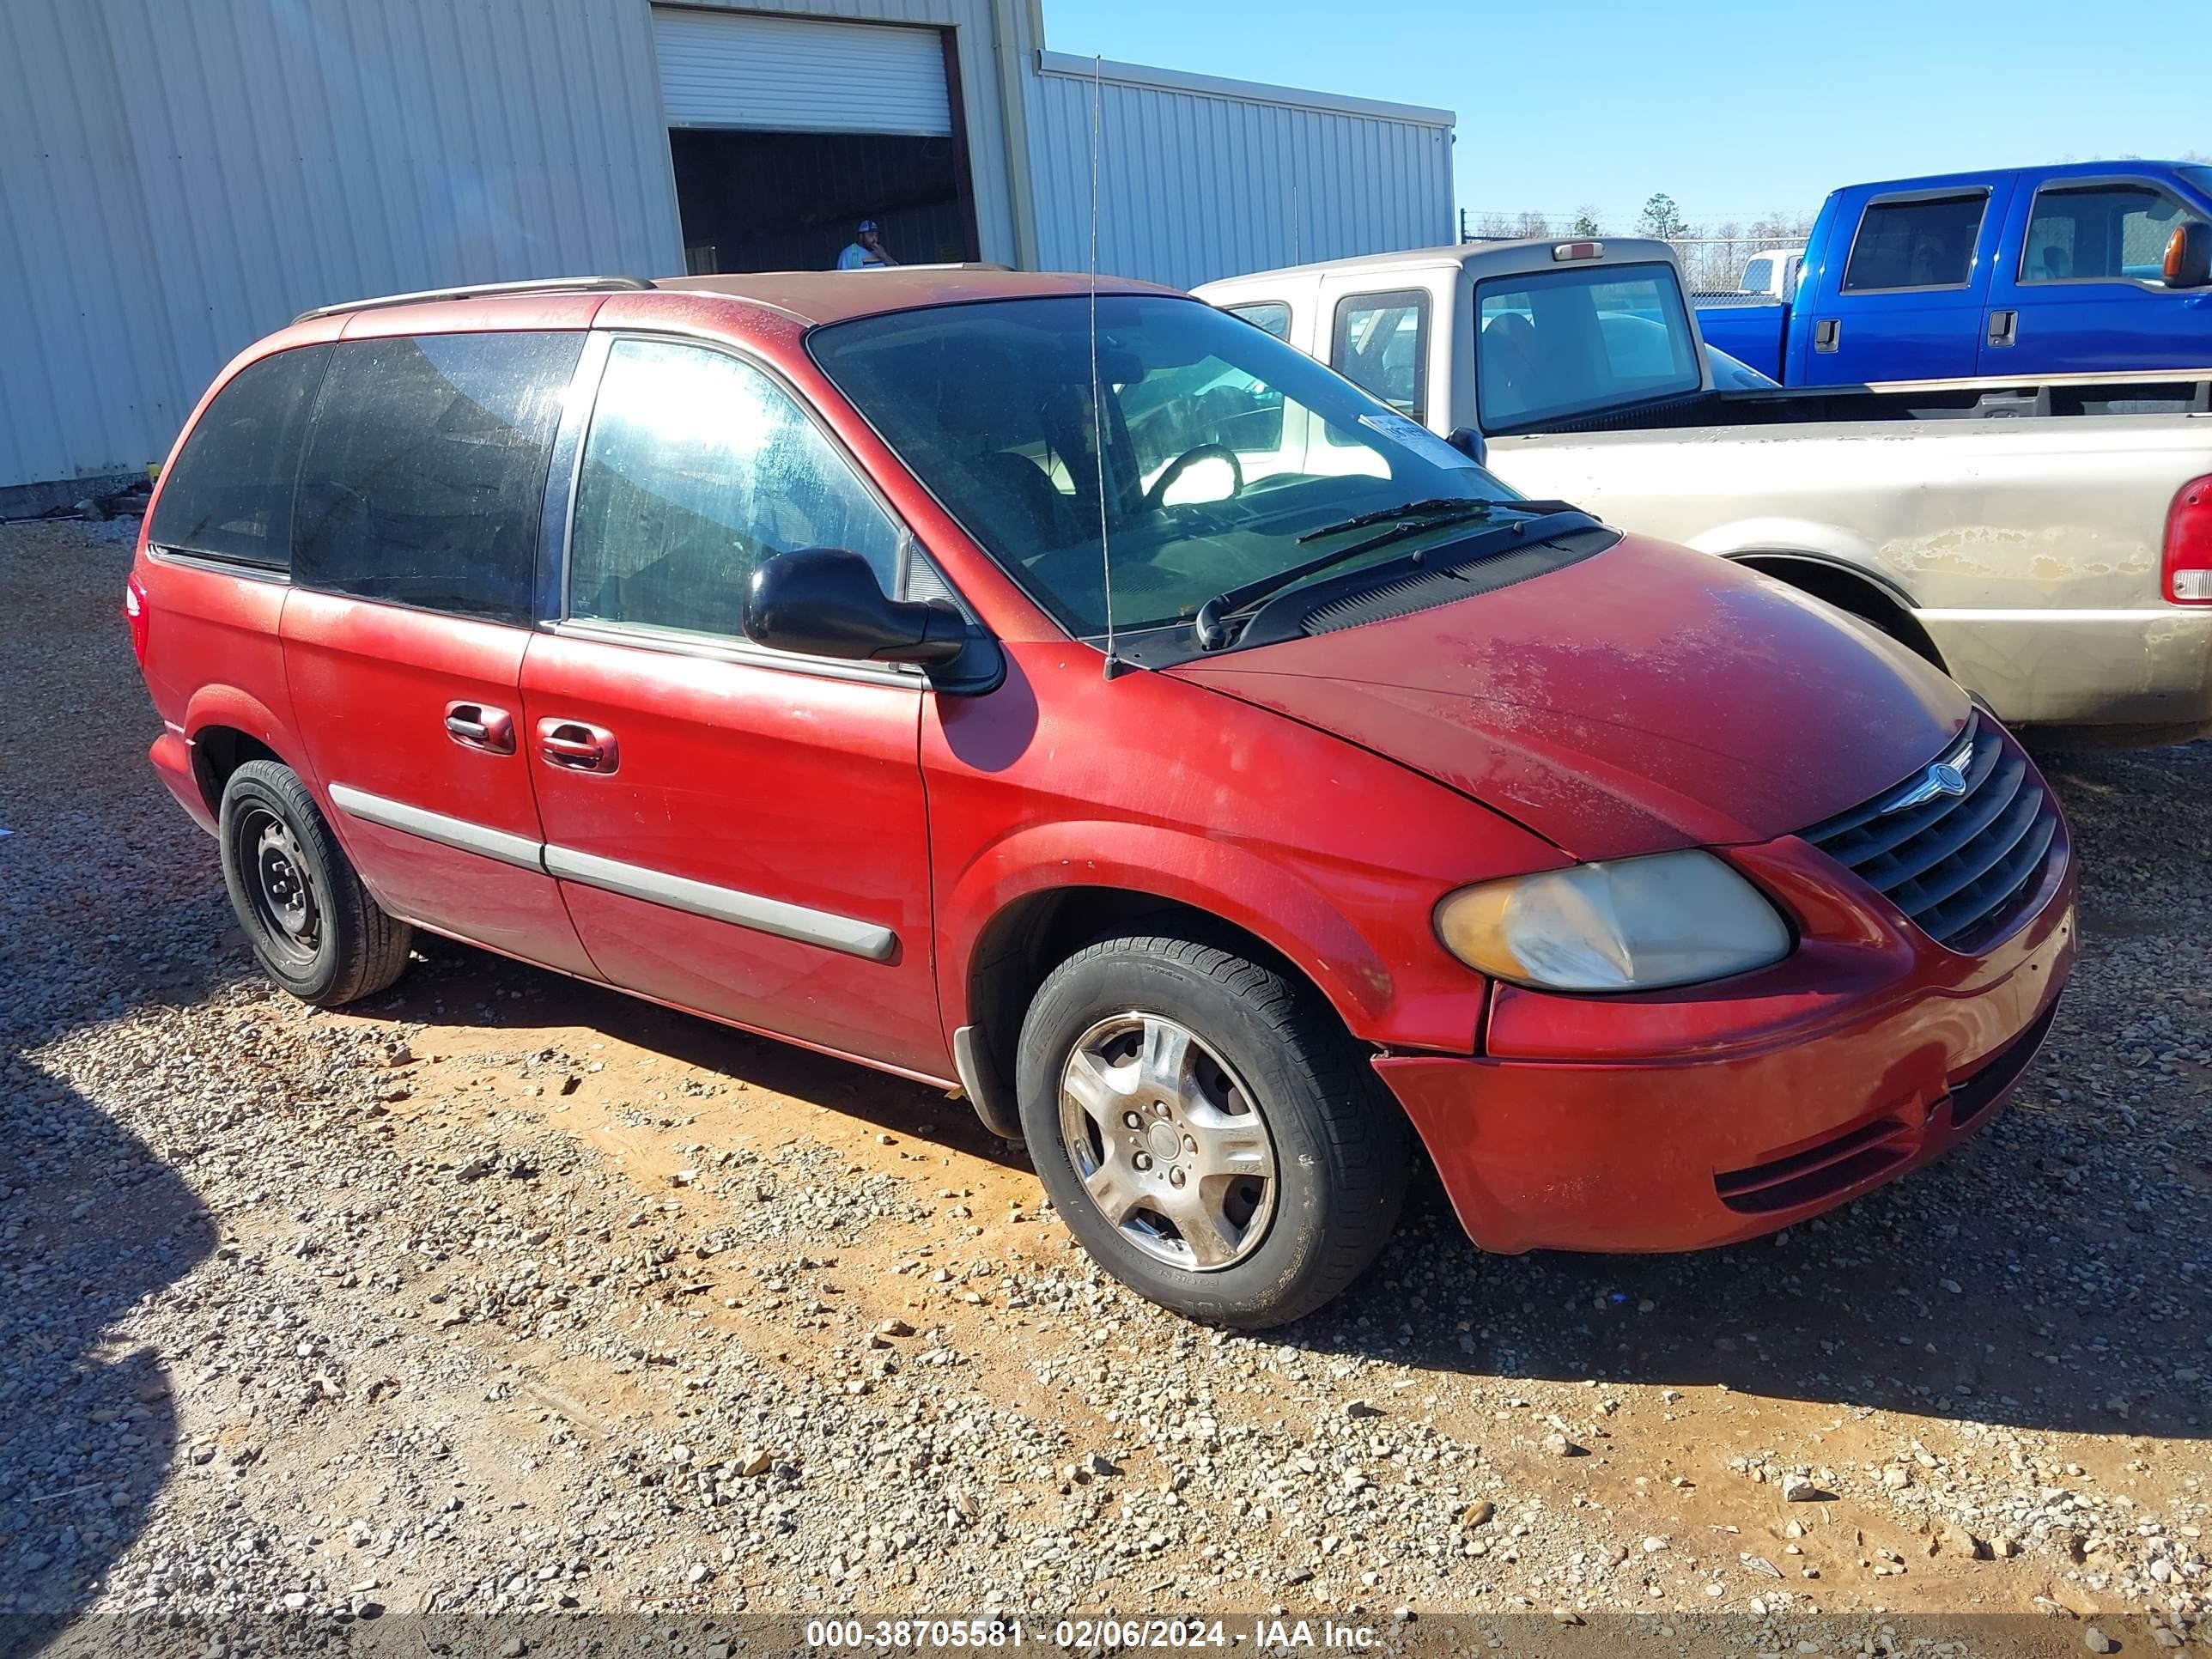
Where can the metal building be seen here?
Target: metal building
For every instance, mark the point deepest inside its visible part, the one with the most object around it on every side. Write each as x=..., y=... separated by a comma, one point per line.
x=177, y=176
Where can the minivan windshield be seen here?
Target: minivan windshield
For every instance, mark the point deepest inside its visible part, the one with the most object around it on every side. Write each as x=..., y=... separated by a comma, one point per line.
x=1229, y=457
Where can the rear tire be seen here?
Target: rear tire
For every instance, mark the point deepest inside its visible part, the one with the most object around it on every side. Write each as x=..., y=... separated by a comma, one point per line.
x=1264, y=1169
x=310, y=921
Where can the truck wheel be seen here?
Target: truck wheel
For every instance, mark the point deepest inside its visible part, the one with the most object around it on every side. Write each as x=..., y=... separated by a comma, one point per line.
x=314, y=927
x=1207, y=1129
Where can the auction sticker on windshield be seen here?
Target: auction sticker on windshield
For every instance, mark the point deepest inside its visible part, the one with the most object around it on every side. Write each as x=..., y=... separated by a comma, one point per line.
x=1417, y=438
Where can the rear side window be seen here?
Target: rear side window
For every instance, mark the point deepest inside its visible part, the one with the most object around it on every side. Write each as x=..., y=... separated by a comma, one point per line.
x=229, y=493
x=1272, y=315
x=699, y=468
x=2113, y=232
x=426, y=471
x=1381, y=346
x=1925, y=242
x=1758, y=276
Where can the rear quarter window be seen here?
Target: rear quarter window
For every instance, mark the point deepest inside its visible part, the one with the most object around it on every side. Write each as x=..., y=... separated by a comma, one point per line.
x=229, y=493
x=425, y=473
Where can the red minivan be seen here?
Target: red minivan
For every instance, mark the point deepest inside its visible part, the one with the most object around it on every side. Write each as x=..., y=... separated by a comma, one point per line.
x=1081, y=698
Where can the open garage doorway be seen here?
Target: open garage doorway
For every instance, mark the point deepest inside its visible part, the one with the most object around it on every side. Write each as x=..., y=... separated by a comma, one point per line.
x=786, y=132
x=790, y=201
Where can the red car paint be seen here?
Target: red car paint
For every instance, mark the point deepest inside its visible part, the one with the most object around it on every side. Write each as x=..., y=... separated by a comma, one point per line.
x=1321, y=794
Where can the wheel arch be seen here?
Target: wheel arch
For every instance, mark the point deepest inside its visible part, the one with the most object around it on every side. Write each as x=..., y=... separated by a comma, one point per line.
x=225, y=728
x=1849, y=586
x=1017, y=930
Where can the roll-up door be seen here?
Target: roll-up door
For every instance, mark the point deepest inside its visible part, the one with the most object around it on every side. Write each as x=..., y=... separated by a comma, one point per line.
x=742, y=70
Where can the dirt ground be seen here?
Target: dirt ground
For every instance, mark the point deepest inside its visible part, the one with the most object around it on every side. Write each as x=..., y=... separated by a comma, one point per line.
x=507, y=1292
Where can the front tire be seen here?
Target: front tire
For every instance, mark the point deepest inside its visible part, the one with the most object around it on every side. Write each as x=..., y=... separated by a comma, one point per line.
x=310, y=921
x=1207, y=1129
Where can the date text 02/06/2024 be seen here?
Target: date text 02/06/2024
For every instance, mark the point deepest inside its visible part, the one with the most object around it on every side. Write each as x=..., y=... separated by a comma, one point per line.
x=1084, y=1635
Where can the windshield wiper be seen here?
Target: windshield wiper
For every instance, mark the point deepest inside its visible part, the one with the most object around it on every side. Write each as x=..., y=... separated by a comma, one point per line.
x=1412, y=520
x=1406, y=510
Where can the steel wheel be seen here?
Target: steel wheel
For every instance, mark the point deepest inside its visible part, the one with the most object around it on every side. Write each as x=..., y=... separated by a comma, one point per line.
x=280, y=887
x=1168, y=1142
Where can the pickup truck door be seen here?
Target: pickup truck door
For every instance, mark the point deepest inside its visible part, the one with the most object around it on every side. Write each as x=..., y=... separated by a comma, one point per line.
x=2076, y=286
x=1385, y=338
x=1902, y=297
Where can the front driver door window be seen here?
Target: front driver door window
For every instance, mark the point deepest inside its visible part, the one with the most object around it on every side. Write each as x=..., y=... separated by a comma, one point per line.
x=699, y=466
x=753, y=844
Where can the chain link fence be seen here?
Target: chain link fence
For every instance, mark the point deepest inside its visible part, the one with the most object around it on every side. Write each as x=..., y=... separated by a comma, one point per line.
x=1712, y=257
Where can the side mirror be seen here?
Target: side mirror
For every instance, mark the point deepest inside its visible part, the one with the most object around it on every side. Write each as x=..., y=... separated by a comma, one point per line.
x=1469, y=443
x=2189, y=255
x=826, y=602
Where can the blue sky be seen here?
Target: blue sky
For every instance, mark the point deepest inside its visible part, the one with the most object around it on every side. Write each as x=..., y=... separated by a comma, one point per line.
x=1733, y=108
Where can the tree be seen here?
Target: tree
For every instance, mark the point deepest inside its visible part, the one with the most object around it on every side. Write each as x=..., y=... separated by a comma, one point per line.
x=1661, y=217
x=1586, y=222
x=1531, y=226
x=1782, y=228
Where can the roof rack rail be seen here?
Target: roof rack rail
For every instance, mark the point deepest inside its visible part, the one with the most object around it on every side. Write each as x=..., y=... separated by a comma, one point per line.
x=486, y=291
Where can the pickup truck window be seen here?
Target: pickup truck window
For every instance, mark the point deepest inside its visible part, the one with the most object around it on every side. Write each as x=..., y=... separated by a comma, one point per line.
x=1919, y=241
x=1556, y=344
x=1272, y=315
x=1381, y=345
x=1206, y=487
x=2108, y=232
x=1757, y=278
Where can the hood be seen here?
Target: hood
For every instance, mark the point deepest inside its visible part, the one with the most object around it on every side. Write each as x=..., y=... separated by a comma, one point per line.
x=1643, y=699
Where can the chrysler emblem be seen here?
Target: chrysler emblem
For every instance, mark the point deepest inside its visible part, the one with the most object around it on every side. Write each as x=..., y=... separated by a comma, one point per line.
x=1941, y=779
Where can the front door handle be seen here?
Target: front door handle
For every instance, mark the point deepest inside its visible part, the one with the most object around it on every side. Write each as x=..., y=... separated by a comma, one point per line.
x=2004, y=327
x=479, y=725
x=577, y=746
x=1827, y=333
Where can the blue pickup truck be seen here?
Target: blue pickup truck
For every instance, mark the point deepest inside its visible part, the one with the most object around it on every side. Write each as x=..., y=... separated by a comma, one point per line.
x=2090, y=267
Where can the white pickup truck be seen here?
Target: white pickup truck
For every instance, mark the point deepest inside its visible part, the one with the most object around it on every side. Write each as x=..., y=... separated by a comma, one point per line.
x=1772, y=275
x=2048, y=545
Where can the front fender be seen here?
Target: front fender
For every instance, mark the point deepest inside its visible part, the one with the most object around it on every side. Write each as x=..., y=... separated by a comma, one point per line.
x=1268, y=898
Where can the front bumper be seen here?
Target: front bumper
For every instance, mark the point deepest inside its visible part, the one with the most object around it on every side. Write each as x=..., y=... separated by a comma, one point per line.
x=1677, y=1121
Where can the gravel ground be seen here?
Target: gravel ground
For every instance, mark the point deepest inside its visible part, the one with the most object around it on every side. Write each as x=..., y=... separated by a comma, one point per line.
x=504, y=1294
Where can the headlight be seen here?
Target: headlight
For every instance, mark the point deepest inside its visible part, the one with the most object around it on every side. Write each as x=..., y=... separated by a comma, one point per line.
x=1637, y=925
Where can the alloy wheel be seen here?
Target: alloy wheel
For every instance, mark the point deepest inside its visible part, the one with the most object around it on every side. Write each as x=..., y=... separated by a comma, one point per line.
x=1168, y=1142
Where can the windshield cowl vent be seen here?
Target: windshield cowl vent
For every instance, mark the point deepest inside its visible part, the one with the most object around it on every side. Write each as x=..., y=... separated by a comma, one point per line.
x=1484, y=573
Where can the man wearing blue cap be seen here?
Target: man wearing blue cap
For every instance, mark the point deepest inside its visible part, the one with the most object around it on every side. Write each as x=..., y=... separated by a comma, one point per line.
x=867, y=252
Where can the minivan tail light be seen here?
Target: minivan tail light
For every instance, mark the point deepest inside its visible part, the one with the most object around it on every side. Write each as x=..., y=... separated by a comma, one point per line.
x=135, y=609
x=2185, y=572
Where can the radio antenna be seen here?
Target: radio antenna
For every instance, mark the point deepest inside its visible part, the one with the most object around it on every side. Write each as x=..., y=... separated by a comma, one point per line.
x=1097, y=389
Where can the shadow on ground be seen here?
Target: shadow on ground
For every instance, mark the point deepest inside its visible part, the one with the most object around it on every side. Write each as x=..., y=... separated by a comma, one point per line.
x=94, y=1224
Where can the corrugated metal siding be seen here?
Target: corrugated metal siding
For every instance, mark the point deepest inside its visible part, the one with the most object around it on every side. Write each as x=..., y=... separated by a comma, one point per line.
x=176, y=180
x=800, y=73
x=1197, y=184
x=86, y=376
